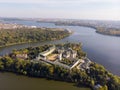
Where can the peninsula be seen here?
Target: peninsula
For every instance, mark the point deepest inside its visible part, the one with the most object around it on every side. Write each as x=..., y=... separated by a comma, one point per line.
x=63, y=62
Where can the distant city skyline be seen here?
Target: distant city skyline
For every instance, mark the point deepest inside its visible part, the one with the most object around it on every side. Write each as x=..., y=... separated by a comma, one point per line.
x=68, y=9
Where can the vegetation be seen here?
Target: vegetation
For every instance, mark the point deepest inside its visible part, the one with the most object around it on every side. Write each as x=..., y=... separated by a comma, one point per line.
x=25, y=35
x=108, y=31
x=66, y=61
x=97, y=74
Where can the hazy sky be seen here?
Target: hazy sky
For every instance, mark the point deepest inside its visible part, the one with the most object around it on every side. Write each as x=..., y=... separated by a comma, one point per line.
x=74, y=9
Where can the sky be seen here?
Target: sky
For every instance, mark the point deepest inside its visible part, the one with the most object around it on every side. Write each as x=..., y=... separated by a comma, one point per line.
x=67, y=9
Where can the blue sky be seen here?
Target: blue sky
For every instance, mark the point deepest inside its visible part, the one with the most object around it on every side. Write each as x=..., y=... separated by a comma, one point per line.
x=71, y=9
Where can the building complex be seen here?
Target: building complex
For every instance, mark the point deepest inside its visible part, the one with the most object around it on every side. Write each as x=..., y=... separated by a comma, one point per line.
x=65, y=57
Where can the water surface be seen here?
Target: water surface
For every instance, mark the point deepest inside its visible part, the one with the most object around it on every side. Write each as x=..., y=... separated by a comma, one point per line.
x=9, y=81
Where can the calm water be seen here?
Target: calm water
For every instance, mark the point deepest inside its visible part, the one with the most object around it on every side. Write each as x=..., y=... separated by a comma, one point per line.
x=102, y=49
x=10, y=81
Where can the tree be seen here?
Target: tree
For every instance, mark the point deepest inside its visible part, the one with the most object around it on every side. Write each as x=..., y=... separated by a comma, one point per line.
x=1, y=65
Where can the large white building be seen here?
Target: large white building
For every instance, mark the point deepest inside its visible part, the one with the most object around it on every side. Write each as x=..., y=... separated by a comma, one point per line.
x=44, y=54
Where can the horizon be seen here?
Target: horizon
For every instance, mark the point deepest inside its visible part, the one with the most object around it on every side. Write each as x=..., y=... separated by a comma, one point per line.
x=58, y=19
x=64, y=9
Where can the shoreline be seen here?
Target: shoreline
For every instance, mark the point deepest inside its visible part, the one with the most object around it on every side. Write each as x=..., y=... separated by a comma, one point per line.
x=106, y=34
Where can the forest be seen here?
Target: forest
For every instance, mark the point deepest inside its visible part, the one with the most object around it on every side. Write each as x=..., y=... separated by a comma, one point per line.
x=26, y=35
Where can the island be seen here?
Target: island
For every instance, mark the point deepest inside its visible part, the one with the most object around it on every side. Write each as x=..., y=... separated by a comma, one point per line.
x=11, y=34
x=63, y=62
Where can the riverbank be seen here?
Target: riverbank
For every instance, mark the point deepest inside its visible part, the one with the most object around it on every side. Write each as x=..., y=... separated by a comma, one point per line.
x=109, y=32
x=15, y=44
